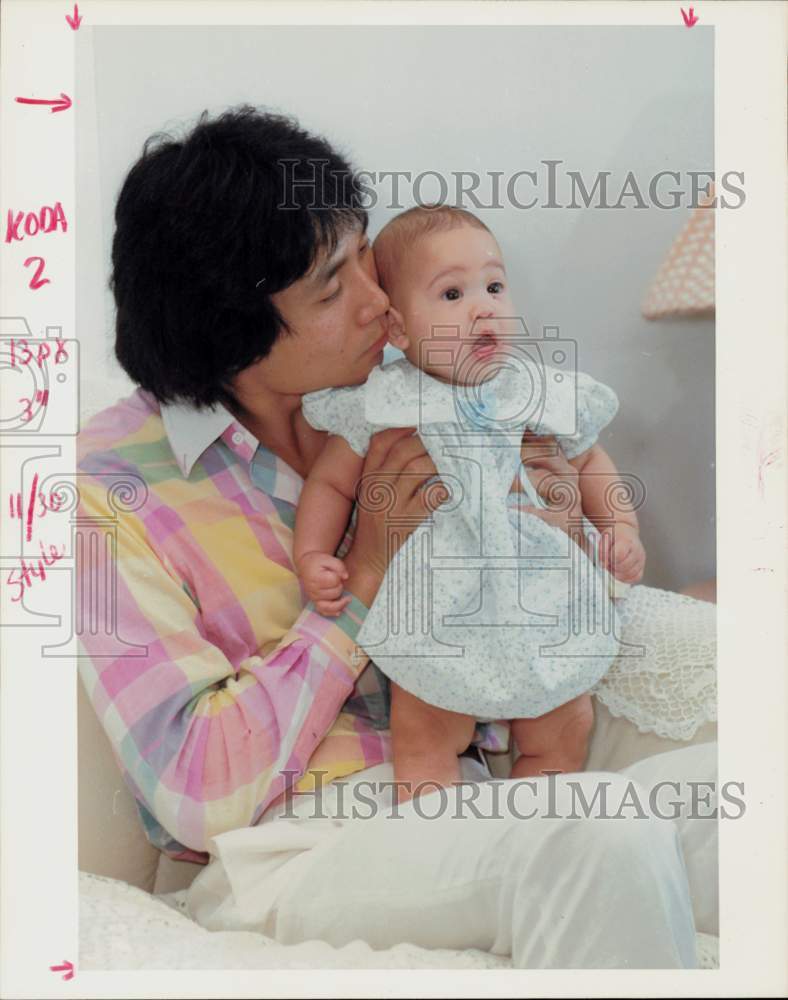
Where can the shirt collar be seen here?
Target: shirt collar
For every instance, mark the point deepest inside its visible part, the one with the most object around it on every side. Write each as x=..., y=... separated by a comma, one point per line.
x=192, y=431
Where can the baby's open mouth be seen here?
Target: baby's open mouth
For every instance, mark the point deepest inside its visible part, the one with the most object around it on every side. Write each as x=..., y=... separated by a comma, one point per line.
x=485, y=344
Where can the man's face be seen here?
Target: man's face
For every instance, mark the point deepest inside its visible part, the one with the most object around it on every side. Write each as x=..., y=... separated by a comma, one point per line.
x=453, y=296
x=334, y=314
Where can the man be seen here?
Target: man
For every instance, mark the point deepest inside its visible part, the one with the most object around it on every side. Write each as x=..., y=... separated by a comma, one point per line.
x=243, y=279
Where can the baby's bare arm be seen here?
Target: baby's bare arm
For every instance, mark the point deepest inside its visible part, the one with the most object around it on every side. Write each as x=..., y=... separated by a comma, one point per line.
x=598, y=474
x=326, y=499
x=620, y=547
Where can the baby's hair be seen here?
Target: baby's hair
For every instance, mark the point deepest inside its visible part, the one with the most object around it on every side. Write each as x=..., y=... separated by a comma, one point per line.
x=403, y=231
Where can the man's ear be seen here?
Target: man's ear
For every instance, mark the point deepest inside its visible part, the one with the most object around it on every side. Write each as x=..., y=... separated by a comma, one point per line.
x=395, y=328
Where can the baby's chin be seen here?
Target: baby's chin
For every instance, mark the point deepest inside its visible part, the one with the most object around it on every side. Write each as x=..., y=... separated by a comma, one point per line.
x=443, y=373
x=463, y=372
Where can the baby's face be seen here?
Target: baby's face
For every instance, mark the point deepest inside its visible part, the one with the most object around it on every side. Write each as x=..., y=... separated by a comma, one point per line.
x=453, y=298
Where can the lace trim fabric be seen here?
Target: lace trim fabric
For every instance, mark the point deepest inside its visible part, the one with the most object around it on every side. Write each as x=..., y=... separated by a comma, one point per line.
x=665, y=679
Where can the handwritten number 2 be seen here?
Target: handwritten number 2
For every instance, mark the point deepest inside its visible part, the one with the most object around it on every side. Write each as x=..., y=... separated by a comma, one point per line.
x=37, y=281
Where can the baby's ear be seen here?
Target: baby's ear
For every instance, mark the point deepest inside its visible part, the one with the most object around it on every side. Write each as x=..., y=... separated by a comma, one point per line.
x=395, y=328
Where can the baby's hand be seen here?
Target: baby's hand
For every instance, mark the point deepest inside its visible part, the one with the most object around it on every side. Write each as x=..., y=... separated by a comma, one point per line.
x=622, y=553
x=322, y=576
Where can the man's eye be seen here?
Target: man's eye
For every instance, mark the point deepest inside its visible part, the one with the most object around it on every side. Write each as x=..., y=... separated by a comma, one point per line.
x=363, y=248
x=451, y=294
x=495, y=287
x=332, y=296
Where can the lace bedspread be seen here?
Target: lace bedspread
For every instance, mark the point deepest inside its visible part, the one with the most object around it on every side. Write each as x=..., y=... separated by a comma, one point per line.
x=670, y=686
x=122, y=927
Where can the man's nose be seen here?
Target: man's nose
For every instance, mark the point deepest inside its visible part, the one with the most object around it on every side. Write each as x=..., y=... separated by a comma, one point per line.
x=375, y=302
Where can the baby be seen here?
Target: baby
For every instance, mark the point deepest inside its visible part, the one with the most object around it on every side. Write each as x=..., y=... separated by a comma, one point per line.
x=443, y=270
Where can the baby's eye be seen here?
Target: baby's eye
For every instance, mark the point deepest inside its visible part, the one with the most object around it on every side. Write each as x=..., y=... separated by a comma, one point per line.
x=495, y=287
x=451, y=294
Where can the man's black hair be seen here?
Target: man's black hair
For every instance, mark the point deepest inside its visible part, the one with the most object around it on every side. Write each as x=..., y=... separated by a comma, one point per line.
x=208, y=227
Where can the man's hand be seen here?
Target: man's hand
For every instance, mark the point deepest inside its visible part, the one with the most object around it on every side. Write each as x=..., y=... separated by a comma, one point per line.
x=622, y=553
x=557, y=483
x=398, y=484
x=323, y=576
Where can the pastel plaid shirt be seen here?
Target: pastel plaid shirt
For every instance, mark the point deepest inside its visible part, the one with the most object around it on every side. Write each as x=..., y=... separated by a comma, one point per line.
x=220, y=688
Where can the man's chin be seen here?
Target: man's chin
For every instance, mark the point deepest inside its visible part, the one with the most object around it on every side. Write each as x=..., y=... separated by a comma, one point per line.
x=361, y=376
x=373, y=361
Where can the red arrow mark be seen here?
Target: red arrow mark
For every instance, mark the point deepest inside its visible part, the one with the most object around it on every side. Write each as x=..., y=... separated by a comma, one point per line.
x=76, y=20
x=689, y=19
x=62, y=103
x=65, y=966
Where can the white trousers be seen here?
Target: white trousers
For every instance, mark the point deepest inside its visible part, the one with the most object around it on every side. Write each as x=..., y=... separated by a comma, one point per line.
x=543, y=870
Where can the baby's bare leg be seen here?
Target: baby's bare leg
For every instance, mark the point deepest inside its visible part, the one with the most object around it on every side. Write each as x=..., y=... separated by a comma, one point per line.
x=427, y=742
x=557, y=741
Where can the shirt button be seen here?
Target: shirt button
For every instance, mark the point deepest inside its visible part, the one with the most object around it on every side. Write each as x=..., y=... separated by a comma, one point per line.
x=237, y=437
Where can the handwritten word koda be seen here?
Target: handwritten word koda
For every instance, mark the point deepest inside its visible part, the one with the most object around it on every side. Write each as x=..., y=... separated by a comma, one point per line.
x=46, y=220
x=21, y=224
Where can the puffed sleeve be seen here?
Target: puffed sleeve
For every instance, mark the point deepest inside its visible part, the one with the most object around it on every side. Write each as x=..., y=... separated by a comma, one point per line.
x=342, y=412
x=597, y=404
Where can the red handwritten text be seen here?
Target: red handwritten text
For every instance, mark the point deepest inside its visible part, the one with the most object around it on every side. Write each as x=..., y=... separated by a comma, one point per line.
x=37, y=281
x=42, y=397
x=21, y=352
x=51, y=503
x=24, y=577
x=46, y=220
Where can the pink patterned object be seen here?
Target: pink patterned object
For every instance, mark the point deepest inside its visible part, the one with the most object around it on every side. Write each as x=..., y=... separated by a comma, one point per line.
x=684, y=284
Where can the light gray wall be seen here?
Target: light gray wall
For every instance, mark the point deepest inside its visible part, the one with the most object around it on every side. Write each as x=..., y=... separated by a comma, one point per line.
x=484, y=99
